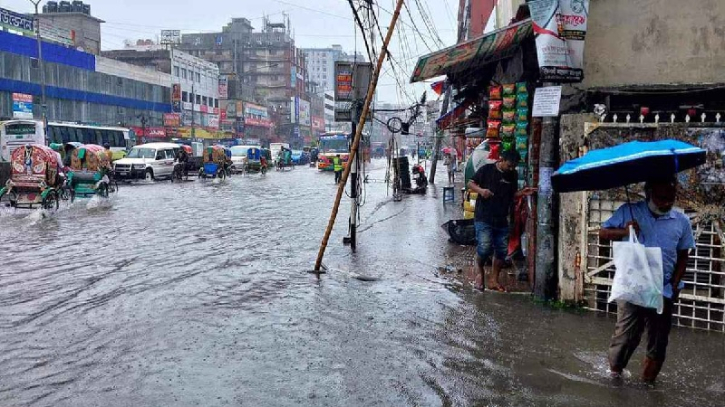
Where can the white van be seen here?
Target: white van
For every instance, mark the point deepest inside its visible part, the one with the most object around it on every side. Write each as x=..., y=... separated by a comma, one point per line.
x=147, y=161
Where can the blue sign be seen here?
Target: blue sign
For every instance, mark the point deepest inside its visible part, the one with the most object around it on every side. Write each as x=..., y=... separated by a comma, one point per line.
x=22, y=106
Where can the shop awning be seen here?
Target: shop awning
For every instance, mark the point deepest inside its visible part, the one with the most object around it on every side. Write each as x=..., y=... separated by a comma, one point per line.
x=489, y=48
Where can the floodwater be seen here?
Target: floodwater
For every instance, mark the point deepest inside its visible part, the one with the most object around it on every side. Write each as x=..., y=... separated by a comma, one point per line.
x=197, y=295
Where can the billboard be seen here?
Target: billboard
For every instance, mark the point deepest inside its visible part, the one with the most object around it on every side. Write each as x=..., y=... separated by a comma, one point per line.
x=294, y=110
x=22, y=106
x=343, y=81
x=213, y=121
x=305, y=113
x=17, y=22
x=223, y=88
x=176, y=97
x=170, y=37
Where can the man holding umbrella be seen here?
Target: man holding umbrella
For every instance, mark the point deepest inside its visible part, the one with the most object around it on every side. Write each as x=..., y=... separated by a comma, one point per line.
x=657, y=225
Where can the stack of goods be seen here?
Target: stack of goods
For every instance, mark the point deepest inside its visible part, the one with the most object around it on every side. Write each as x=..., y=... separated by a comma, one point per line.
x=495, y=117
x=469, y=206
x=520, y=141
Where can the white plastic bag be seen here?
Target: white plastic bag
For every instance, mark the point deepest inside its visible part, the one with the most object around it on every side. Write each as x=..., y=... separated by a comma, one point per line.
x=639, y=276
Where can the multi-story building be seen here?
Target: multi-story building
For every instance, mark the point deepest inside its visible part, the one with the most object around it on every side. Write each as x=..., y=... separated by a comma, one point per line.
x=81, y=87
x=266, y=63
x=198, y=80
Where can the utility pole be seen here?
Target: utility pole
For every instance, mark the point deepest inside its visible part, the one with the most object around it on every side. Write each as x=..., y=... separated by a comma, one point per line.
x=545, y=280
x=352, y=162
x=439, y=137
x=193, y=121
x=358, y=133
x=41, y=66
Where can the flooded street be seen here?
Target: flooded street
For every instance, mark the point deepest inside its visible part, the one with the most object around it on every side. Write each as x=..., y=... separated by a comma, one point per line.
x=197, y=295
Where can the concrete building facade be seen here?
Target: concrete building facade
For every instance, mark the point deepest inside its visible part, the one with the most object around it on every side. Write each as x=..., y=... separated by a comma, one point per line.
x=85, y=29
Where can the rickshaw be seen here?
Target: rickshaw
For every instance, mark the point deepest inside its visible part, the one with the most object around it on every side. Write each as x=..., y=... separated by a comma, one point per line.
x=254, y=160
x=88, y=173
x=285, y=160
x=34, y=179
x=217, y=161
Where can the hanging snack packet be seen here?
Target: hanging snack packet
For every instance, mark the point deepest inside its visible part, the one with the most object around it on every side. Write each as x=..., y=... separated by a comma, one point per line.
x=522, y=143
x=494, y=129
x=507, y=146
x=494, y=92
x=521, y=132
x=508, y=130
x=509, y=89
x=522, y=102
x=509, y=102
x=494, y=109
x=509, y=115
x=521, y=88
x=522, y=114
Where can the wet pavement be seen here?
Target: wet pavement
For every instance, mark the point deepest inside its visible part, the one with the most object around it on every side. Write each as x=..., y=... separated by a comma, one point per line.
x=197, y=295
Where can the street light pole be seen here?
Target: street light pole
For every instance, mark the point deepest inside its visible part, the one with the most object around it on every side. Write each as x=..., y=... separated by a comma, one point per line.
x=41, y=66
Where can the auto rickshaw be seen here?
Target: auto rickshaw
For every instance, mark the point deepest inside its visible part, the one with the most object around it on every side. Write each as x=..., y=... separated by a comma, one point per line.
x=34, y=179
x=285, y=160
x=88, y=173
x=254, y=159
x=216, y=164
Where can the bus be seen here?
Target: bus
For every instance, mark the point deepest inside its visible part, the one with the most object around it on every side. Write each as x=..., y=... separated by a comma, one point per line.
x=330, y=145
x=16, y=133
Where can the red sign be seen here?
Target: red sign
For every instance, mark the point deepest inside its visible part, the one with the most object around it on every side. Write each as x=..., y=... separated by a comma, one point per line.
x=223, y=115
x=258, y=122
x=318, y=123
x=151, y=132
x=172, y=120
x=21, y=97
x=176, y=92
x=204, y=109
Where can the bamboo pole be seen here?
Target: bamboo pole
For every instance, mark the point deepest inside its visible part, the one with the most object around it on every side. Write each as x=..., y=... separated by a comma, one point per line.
x=358, y=134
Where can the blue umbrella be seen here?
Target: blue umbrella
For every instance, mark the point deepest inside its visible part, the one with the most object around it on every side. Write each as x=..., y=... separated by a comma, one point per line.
x=625, y=164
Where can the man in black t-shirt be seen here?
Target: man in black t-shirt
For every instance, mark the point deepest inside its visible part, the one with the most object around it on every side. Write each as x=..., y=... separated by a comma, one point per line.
x=496, y=186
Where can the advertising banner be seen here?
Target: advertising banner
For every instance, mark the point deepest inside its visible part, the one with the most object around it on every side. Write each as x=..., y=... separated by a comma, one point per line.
x=17, y=22
x=293, y=77
x=22, y=106
x=170, y=37
x=239, y=112
x=213, y=121
x=223, y=88
x=56, y=34
x=305, y=115
x=560, y=27
x=172, y=120
x=343, y=81
x=176, y=97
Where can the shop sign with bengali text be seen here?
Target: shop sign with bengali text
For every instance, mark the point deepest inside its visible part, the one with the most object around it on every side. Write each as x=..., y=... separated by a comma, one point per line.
x=560, y=27
x=172, y=120
x=17, y=22
x=213, y=121
x=150, y=132
x=343, y=81
x=22, y=106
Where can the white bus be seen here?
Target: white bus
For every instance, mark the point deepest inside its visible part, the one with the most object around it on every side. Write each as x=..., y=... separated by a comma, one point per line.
x=15, y=133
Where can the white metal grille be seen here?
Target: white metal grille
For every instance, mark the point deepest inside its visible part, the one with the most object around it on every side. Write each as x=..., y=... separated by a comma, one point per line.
x=702, y=302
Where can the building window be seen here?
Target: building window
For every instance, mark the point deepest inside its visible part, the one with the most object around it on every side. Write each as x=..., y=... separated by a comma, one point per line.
x=184, y=73
x=204, y=101
x=198, y=99
x=216, y=103
x=198, y=77
x=185, y=96
x=176, y=71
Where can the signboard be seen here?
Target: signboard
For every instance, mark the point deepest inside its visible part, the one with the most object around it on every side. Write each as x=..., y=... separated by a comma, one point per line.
x=293, y=77
x=343, y=81
x=22, y=106
x=170, y=37
x=305, y=115
x=252, y=110
x=172, y=120
x=318, y=123
x=560, y=27
x=149, y=132
x=546, y=101
x=223, y=88
x=239, y=110
x=56, y=34
x=213, y=121
x=18, y=22
x=176, y=97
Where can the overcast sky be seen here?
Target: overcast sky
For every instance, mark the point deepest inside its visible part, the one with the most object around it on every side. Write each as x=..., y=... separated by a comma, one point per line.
x=316, y=23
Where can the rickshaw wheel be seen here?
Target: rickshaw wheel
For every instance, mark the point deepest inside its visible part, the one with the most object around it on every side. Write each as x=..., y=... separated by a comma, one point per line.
x=51, y=201
x=103, y=190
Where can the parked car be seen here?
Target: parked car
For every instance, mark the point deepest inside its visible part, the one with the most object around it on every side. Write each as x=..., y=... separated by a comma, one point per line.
x=147, y=161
